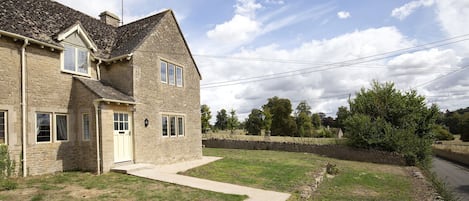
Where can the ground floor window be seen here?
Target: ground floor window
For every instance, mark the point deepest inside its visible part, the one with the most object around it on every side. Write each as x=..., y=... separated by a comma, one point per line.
x=3, y=127
x=86, y=126
x=61, y=127
x=43, y=127
x=172, y=125
x=164, y=123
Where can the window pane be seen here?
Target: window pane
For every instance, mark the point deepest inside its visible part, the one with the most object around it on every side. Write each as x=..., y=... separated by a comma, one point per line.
x=116, y=126
x=86, y=127
x=2, y=127
x=126, y=117
x=126, y=126
x=116, y=117
x=82, y=61
x=164, y=126
x=163, y=72
x=121, y=117
x=171, y=74
x=61, y=127
x=121, y=126
x=179, y=76
x=173, y=126
x=69, y=58
x=43, y=127
x=180, y=126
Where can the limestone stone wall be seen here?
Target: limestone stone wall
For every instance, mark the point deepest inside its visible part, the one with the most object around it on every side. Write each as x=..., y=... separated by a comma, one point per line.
x=48, y=90
x=335, y=151
x=155, y=98
x=10, y=79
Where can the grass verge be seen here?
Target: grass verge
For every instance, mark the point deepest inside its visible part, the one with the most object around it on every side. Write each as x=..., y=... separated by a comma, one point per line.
x=292, y=172
x=110, y=186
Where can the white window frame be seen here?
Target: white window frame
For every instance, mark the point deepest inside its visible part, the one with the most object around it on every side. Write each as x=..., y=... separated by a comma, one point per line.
x=84, y=138
x=162, y=128
x=165, y=76
x=76, y=48
x=176, y=117
x=56, y=131
x=178, y=133
x=51, y=128
x=172, y=79
x=5, y=125
x=182, y=76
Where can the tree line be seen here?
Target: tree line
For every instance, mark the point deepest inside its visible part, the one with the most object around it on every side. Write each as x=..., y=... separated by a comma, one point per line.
x=381, y=117
x=276, y=118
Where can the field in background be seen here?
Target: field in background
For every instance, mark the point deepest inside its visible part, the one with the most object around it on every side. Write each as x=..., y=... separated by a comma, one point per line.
x=240, y=135
x=455, y=145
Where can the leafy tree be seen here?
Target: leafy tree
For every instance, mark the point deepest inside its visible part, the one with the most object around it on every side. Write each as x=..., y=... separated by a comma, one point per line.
x=329, y=122
x=303, y=122
x=387, y=119
x=342, y=114
x=283, y=123
x=222, y=120
x=442, y=133
x=303, y=107
x=205, y=116
x=267, y=121
x=254, y=123
x=232, y=122
x=316, y=120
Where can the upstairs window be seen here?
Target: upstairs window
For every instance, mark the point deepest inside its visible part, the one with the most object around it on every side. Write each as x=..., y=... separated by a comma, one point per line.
x=163, y=72
x=171, y=74
x=179, y=76
x=76, y=59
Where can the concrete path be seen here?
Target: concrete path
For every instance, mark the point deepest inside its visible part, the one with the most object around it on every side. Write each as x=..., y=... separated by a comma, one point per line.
x=168, y=173
x=455, y=175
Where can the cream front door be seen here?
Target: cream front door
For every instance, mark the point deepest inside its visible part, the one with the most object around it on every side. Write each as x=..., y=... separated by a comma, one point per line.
x=122, y=137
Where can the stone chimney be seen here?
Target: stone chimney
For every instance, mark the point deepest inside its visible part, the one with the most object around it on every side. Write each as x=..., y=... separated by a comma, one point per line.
x=109, y=18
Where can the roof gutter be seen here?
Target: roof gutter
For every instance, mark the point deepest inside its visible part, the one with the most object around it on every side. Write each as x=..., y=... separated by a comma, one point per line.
x=17, y=36
x=116, y=101
x=115, y=59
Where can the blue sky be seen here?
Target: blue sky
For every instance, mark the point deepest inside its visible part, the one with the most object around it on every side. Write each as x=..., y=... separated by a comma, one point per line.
x=251, y=50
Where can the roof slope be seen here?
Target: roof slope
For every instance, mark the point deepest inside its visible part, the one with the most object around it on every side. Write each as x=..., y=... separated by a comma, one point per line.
x=43, y=20
x=104, y=91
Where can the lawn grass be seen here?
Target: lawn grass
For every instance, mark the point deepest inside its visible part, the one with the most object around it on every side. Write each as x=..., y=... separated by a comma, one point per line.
x=291, y=172
x=110, y=186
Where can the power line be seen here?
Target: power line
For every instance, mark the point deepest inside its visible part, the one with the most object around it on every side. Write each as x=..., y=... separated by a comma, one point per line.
x=333, y=66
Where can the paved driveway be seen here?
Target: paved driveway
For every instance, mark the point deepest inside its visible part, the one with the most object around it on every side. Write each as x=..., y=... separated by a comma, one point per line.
x=168, y=173
x=456, y=176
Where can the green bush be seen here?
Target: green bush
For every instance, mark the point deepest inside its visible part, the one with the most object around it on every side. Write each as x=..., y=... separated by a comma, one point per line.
x=7, y=166
x=385, y=118
x=8, y=184
x=442, y=133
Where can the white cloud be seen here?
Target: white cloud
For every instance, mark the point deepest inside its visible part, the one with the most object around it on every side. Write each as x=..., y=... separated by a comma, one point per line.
x=451, y=15
x=407, y=70
x=408, y=8
x=343, y=14
x=245, y=26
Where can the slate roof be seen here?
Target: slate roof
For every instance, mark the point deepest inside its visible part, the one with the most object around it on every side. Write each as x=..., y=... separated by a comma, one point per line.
x=43, y=20
x=104, y=91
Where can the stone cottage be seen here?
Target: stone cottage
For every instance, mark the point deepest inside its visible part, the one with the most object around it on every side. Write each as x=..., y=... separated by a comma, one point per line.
x=81, y=93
